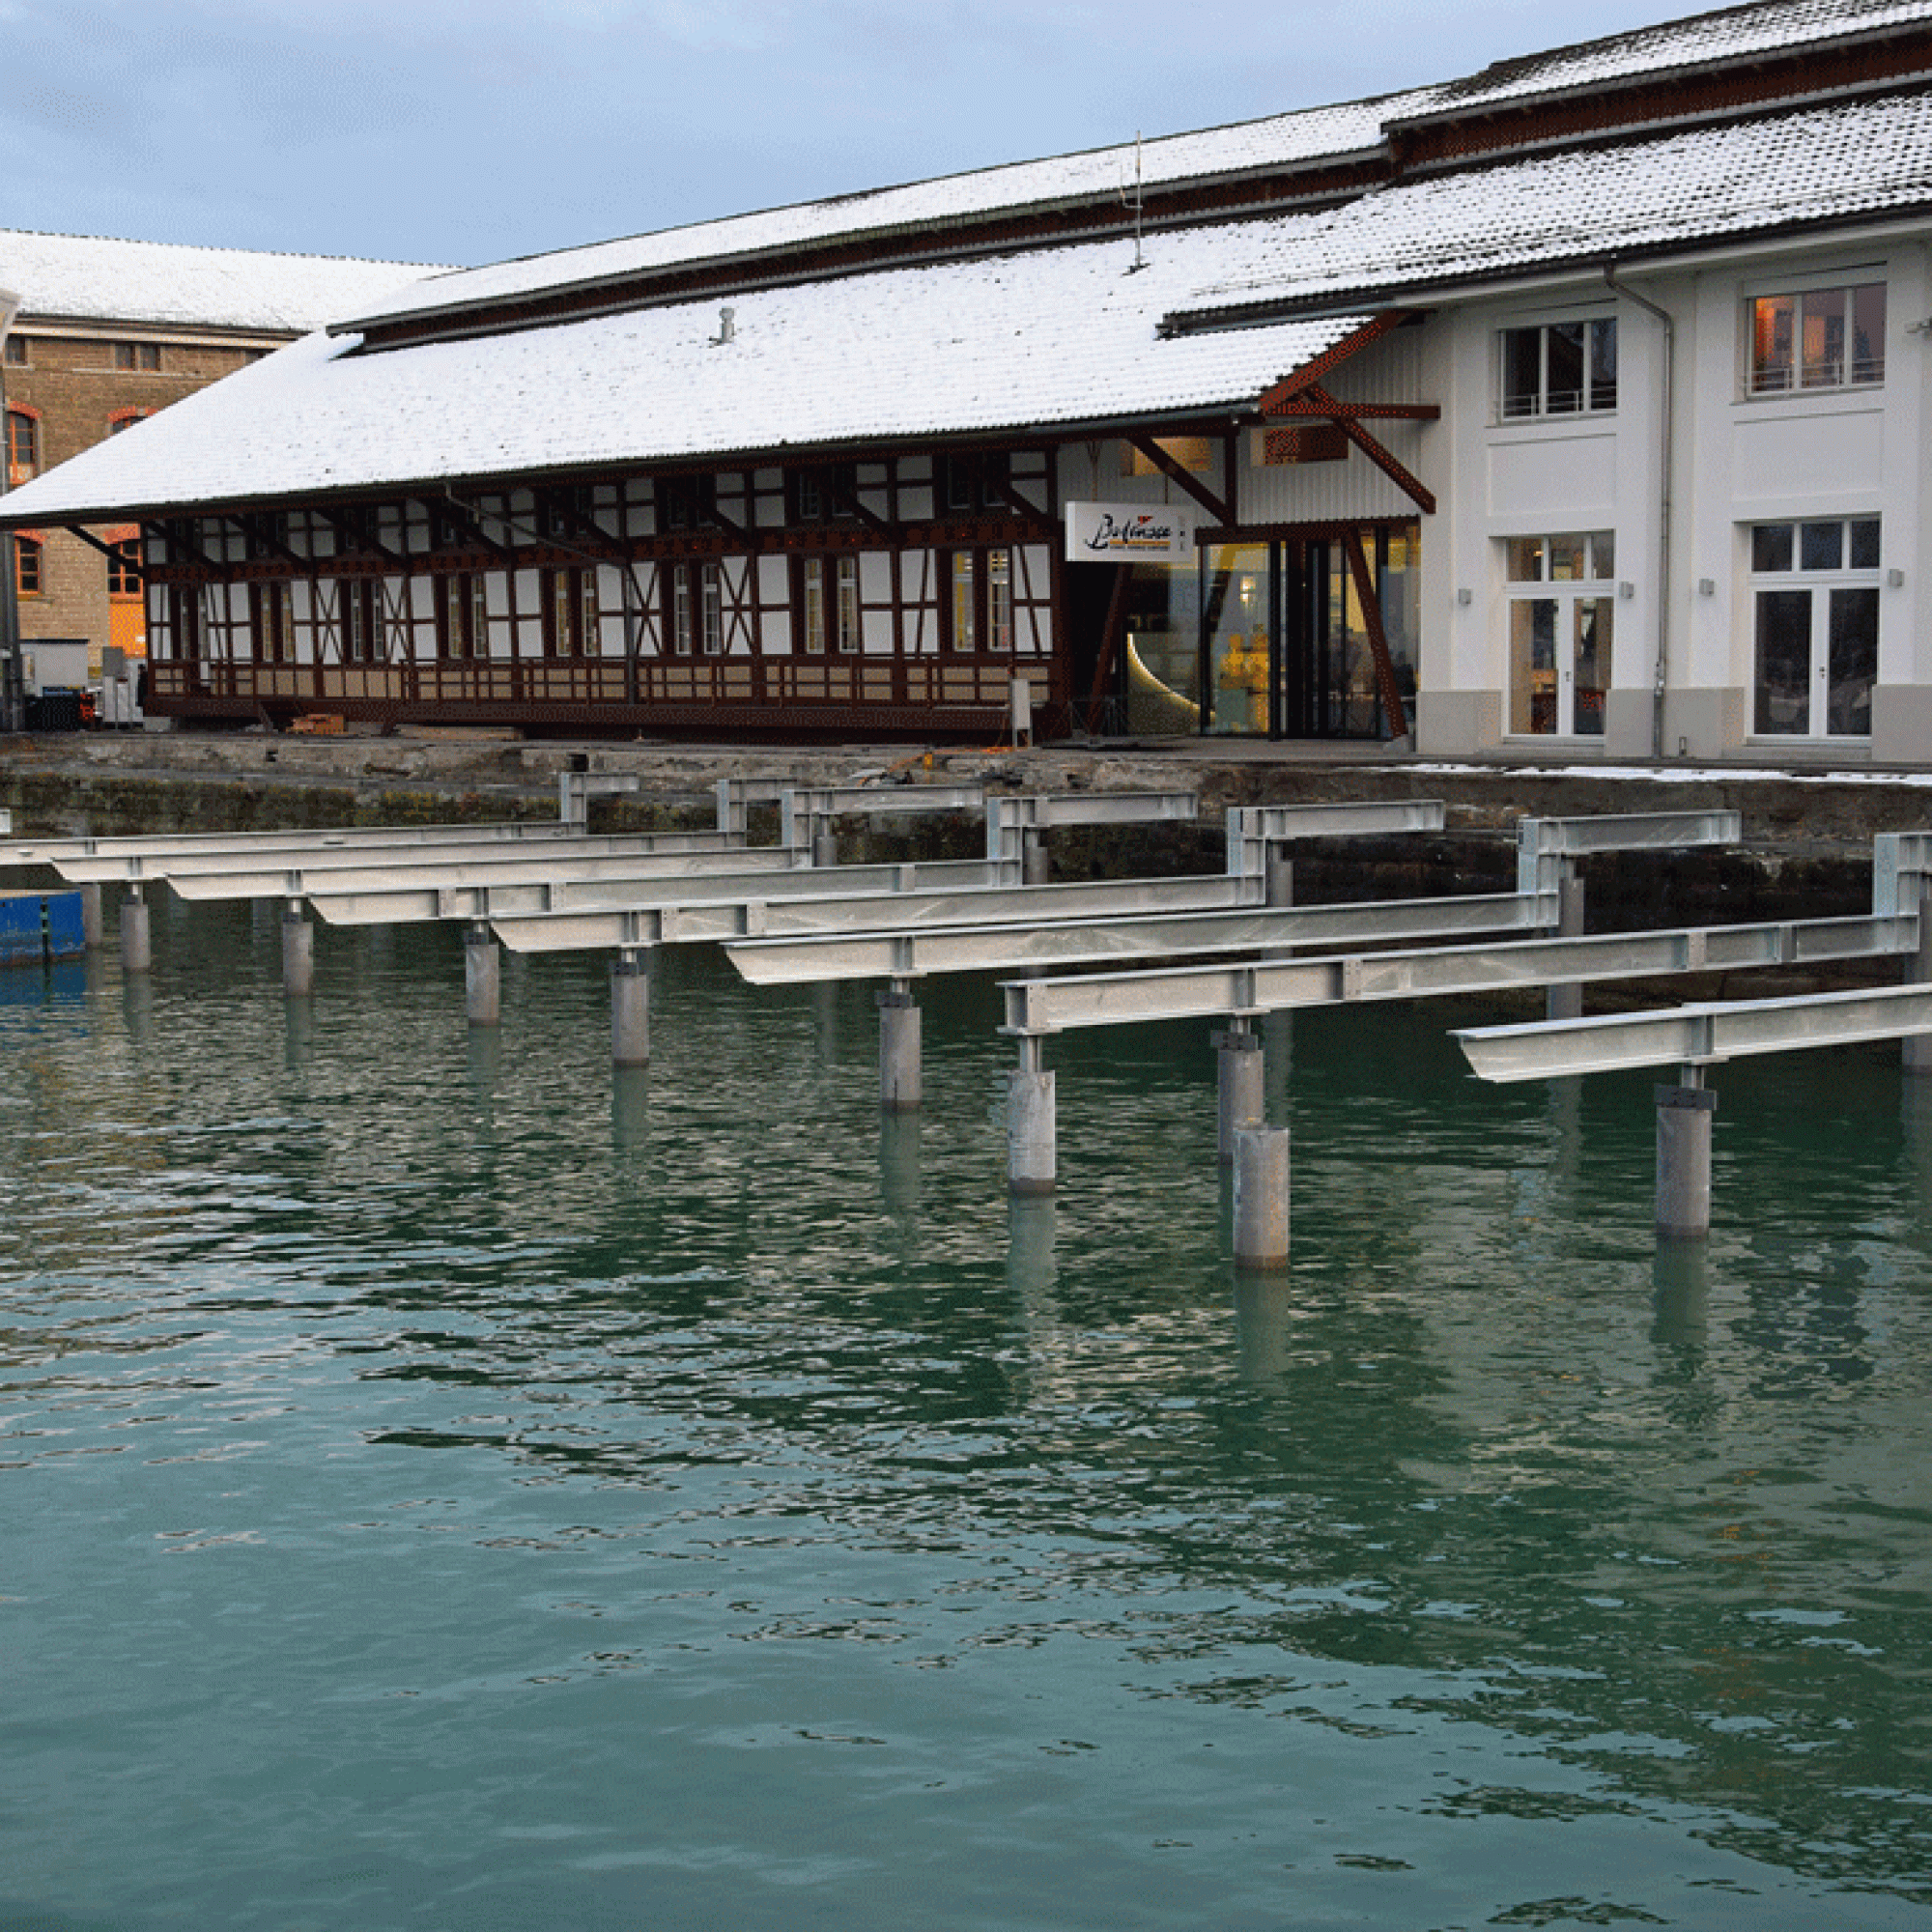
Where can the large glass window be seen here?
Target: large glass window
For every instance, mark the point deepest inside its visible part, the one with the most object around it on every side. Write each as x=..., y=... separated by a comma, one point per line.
x=1815, y=621
x=1562, y=603
x=1559, y=368
x=1819, y=339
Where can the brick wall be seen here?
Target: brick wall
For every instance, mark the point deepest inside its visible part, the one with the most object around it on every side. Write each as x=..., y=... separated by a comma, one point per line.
x=75, y=390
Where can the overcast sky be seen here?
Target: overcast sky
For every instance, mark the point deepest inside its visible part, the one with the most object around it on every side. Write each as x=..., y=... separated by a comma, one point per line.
x=469, y=131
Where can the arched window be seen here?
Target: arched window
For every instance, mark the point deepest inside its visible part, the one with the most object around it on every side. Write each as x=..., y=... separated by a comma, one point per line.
x=122, y=420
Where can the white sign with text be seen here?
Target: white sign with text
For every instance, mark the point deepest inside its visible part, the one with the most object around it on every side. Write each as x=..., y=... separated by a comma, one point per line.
x=1119, y=533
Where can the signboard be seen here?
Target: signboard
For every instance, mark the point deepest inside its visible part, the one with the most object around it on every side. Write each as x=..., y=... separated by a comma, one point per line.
x=1128, y=532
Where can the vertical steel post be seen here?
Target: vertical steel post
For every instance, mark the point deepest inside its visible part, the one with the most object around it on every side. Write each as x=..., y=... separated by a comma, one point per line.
x=901, y=1078
x=1261, y=1200
x=1915, y=1049
x=630, y=1008
x=137, y=941
x=298, y=952
x=1030, y=1123
x=1684, y=1158
x=1566, y=1003
x=1242, y=1086
x=482, y=976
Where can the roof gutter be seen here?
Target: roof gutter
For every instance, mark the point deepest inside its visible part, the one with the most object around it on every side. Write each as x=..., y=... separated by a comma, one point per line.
x=1667, y=439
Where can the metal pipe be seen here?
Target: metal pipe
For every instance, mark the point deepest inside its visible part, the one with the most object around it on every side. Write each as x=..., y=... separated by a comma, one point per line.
x=13, y=675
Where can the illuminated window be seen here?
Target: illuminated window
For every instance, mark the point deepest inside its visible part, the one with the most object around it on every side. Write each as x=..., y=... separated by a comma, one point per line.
x=1821, y=339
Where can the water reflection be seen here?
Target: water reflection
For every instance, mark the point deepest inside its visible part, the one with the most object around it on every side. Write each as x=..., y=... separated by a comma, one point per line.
x=749, y=1473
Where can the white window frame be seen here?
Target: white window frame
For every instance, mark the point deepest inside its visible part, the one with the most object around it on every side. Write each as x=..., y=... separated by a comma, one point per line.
x=1587, y=597
x=1828, y=591
x=1545, y=403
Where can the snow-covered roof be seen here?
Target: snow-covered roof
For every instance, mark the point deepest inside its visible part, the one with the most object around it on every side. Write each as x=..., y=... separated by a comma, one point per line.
x=90, y=278
x=1247, y=147
x=1052, y=336
x=1736, y=33
x=1708, y=184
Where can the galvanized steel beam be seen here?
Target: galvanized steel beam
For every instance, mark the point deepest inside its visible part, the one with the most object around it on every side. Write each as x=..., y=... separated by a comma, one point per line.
x=586, y=900
x=1044, y=941
x=1544, y=845
x=875, y=920
x=1035, y=1006
x=1695, y=1035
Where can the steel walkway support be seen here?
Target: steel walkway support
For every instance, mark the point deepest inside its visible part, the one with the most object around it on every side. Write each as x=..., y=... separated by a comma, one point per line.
x=298, y=952
x=138, y=932
x=630, y=1008
x=1261, y=1211
x=1693, y=1038
x=901, y=1088
x=1032, y=1154
x=482, y=977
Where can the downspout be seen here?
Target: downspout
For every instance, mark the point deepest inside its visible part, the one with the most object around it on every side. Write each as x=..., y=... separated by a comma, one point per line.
x=1666, y=439
x=12, y=671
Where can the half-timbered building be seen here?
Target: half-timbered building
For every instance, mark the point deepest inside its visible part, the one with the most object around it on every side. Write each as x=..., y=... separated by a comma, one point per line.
x=1578, y=404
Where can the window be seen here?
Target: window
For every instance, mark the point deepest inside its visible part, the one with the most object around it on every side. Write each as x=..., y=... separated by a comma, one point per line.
x=1814, y=594
x=1561, y=603
x=125, y=419
x=1821, y=339
x=829, y=603
x=28, y=578
x=361, y=622
x=825, y=494
x=978, y=482
x=23, y=447
x=570, y=612
x=712, y=590
x=124, y=569
x=982, y=601
x=17, y=351
x=137, y=355
x=684, y=502
x=462, y=615
x=273, y=622
x=1560, y=369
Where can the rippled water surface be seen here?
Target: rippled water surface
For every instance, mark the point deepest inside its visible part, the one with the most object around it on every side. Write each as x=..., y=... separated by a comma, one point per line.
x=447, y=1486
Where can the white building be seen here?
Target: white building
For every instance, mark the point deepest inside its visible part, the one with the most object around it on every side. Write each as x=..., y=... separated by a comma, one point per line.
x=1575, y=406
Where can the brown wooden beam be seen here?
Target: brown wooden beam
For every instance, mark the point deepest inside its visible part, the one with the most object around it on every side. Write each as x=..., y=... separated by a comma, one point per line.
x=1178, y=473
x=1336, y=411
x=1385, y=460
x=1368, y=596
x=1312, y=371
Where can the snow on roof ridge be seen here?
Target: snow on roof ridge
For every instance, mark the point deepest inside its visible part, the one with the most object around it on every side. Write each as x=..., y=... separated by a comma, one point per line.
x=221, y=248
x=1583, y=63
x=494, y=281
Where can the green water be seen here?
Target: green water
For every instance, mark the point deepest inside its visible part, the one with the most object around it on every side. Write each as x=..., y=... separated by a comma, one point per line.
x=446, y=1486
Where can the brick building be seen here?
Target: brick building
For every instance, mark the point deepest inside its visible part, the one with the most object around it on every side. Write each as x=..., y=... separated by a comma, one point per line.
x=108, y=333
